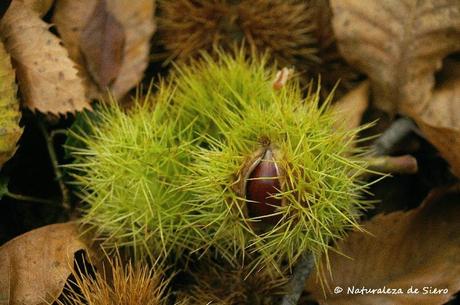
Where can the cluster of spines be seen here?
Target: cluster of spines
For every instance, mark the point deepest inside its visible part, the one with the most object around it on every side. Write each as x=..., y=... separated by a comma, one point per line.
x=126, y=171
x=224, y=285
x=118, y=283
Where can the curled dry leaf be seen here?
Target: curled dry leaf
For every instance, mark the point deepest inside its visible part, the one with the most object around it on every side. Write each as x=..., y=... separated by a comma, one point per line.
x=34, y=266
x=9, y=109
x=47, y=78
x=440, y=122
x=136, y=19
x=418, y=249
x=399, y=45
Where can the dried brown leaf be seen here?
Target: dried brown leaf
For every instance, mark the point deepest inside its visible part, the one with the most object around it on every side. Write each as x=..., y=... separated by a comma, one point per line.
x=440, y=122
x=102, y=41
x=399, y=45
x=350, y=108
x=39, y=6
x=136, y=19
x=35, y=266
x=47, y=78
x=419, y=248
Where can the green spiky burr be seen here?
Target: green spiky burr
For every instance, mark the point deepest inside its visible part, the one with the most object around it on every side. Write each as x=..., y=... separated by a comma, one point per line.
x=225, y=164
x=126, y=167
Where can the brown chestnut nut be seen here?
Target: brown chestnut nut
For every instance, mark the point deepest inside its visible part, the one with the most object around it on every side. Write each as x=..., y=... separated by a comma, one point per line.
x=262, y=185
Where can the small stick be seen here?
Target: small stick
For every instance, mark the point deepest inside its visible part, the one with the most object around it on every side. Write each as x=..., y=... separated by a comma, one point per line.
x=26, y=198
x=393, y=165
x=379, y=160
x=54, y=161
x=296, y=285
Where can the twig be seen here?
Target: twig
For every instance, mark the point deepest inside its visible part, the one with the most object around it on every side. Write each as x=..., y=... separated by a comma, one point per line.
x=30, y=198
x=49, y=138
x=393, y=165
x=390, y=137
x=378, y=159
x=58, y=132
x=296, y=285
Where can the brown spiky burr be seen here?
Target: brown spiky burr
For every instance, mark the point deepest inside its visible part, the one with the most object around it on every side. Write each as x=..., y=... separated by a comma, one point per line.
x=282, y=28
x=118, y=283
x=223, y=285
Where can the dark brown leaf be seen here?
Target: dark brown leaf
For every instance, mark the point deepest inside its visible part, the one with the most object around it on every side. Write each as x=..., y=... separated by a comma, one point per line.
x=136, y=19
x=102, y=41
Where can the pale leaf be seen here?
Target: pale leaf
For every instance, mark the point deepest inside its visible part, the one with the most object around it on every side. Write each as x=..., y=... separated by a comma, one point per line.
x=34, y=267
